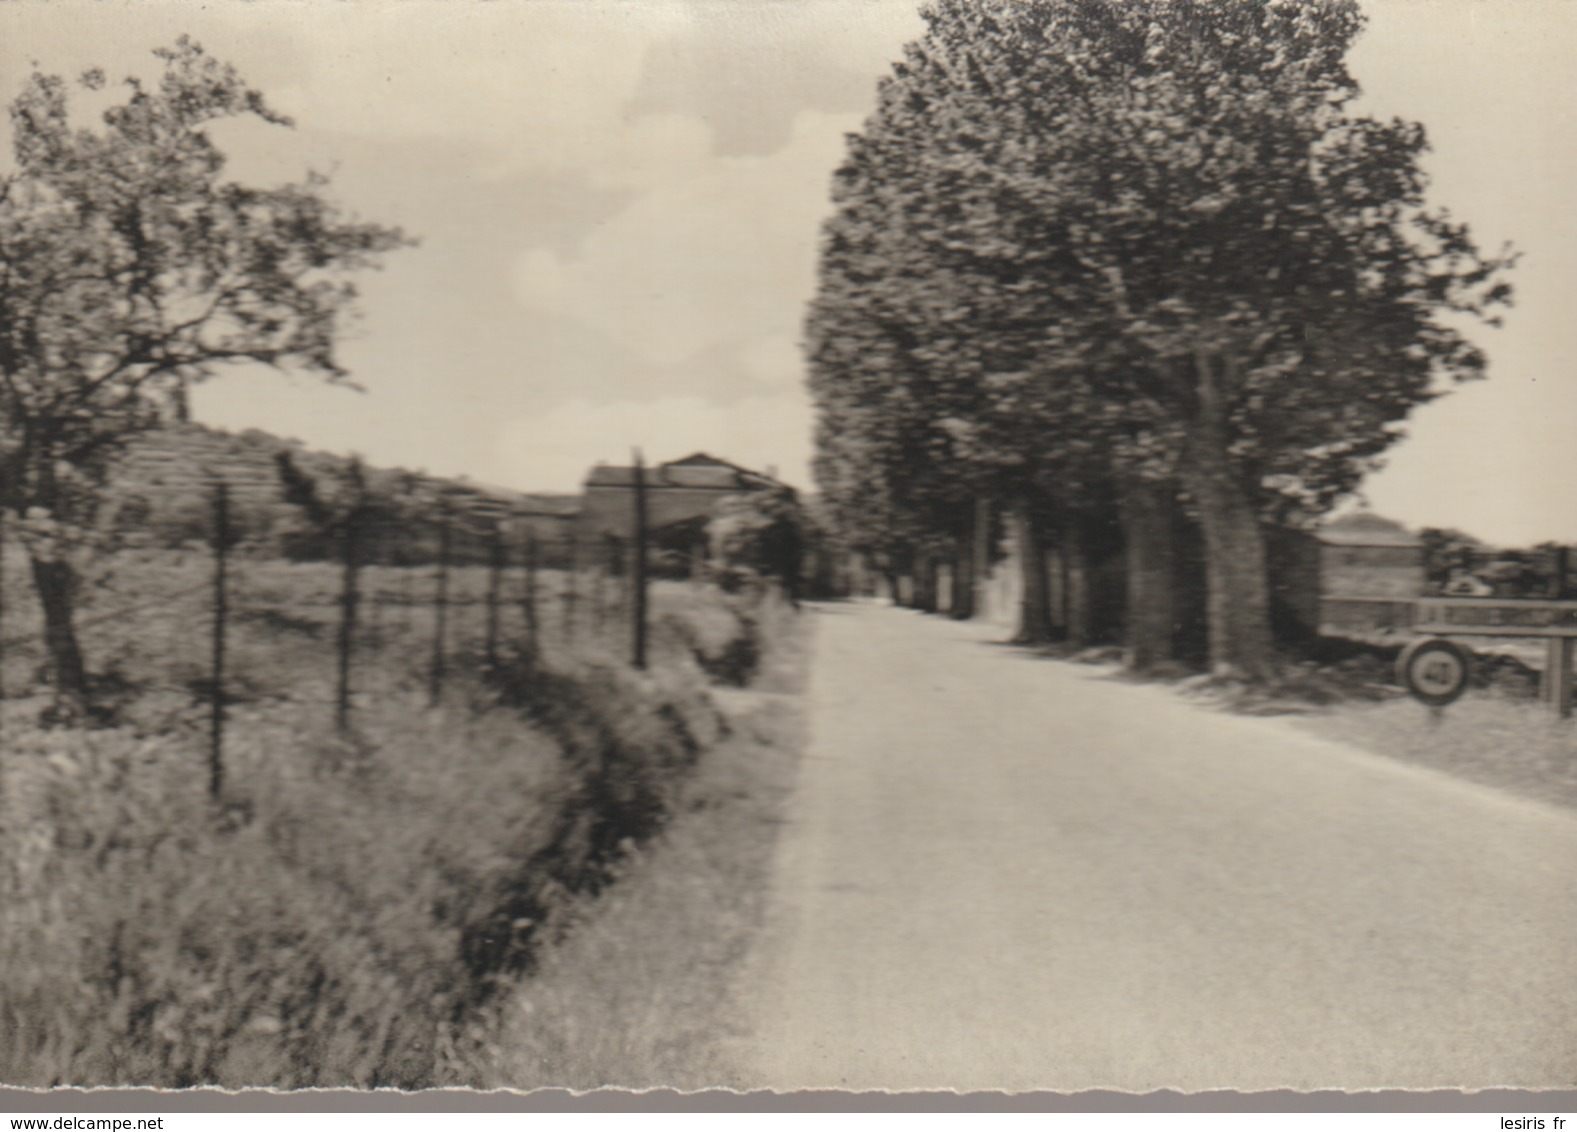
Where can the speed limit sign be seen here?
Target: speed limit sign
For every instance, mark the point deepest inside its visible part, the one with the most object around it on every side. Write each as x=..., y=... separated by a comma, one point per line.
x=1436, y=671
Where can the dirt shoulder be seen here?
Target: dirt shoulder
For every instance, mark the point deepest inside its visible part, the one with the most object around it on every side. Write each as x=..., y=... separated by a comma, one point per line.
x=641, y=992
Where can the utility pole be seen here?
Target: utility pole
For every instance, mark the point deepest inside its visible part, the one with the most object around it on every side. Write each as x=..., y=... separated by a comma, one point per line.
x=2, y=604
x=440, y=606
x=638, y=567
x=216, y=717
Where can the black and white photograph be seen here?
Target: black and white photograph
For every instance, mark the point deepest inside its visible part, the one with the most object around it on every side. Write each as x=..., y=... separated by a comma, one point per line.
x=1014, y=546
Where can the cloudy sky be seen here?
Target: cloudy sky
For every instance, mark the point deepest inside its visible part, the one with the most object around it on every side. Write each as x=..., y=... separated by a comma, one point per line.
x=618, y=203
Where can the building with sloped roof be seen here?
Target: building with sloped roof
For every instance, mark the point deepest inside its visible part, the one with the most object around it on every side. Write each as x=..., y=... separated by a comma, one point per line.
x=681, y=497
x=1367, y=555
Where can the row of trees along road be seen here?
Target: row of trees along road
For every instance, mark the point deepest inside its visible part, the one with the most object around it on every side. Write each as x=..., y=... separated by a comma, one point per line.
x=1091, y=253
x=130, y=269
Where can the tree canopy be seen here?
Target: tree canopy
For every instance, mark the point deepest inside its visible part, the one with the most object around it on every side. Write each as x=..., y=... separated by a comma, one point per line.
x=1150, y=234
x=130, y=269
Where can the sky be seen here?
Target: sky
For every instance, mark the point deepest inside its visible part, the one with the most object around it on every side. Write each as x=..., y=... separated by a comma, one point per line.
x=619, y=201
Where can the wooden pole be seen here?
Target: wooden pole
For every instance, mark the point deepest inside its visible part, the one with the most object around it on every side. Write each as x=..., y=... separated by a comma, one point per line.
x=408, y=594
x=1556, y=687
x=610, y=583
x=571, y=585
x=638, y=566
x=349, y=599
x=216, y=717
x=529, y=601
x=495, y=581
x=2, y=603
x=440, y=608
x=1560, y=653
x=1563, y=678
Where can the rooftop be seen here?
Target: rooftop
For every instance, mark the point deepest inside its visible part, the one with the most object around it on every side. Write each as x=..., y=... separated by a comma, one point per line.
x=1365, y=528
x=697, y=470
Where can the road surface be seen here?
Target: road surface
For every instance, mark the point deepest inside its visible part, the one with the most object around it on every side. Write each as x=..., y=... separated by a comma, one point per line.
x=1006, y=872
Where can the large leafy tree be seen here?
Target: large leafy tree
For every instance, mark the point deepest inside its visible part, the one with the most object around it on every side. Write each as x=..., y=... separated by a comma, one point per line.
x=1178, y=194
x=920, y=416
x=130, y=268
x=888, y=476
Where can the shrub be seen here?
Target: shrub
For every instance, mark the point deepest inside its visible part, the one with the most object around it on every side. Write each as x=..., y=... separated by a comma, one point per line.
x=342, y=918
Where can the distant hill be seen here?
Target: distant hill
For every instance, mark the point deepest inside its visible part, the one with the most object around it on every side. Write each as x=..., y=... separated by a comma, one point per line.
x=162, y=492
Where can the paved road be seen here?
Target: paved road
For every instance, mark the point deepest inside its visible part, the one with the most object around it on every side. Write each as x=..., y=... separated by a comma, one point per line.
x=1007, y=872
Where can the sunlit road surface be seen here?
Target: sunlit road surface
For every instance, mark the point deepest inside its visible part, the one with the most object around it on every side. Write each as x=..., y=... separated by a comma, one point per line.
x=1004, y=872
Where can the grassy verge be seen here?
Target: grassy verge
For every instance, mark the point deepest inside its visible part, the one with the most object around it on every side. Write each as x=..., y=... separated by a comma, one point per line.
x=641, y=991
x=1497, y=735
x=352, y=913
x=144, y=620
x=1507, y=743
x=1345, y=689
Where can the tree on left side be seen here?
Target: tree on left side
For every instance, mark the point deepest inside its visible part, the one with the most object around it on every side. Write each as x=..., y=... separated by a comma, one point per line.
x=130, y=269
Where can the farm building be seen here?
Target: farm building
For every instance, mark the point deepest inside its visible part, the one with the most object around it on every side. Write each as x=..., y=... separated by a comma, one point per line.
x=681, y=496
x=1367, y=555
x=546, y=518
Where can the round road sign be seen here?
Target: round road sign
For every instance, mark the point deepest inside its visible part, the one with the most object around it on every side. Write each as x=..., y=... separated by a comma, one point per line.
x=1436, y=671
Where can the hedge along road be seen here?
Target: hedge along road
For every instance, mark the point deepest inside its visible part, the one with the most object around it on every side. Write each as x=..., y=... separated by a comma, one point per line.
x=1005, y=872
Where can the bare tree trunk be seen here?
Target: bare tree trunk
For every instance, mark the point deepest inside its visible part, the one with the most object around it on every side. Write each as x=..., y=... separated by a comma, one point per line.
x=906, y=579
x=1056, y=586
x=1147, y=538
x=1079, y=611
x=56, y=583
x=1238, y=605
x=925, y=582
x=980, y=571
x=961, y=602
x=1034, y=627
x=890, y=576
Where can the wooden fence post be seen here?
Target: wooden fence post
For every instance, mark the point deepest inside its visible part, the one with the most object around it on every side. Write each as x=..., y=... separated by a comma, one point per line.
x=408, y=594
x=376, y=597
x=216, y=719
x=529, y=601
x=571, y=584
x=440, y=607
x=638, y=567
x=612, y=584
x=2, y=607
x=349, y=599
x=1556, y=686
x=495, y=579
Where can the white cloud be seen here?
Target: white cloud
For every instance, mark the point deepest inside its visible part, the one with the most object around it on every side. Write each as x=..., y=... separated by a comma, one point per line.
x=773, y=361
x=724, y=252
x=541, y=87
x=552, y=450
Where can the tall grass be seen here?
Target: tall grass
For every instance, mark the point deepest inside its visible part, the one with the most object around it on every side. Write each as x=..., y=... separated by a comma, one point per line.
x=1490, y=737
x=649, y=989
x=145, y=615
x=340, y=919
